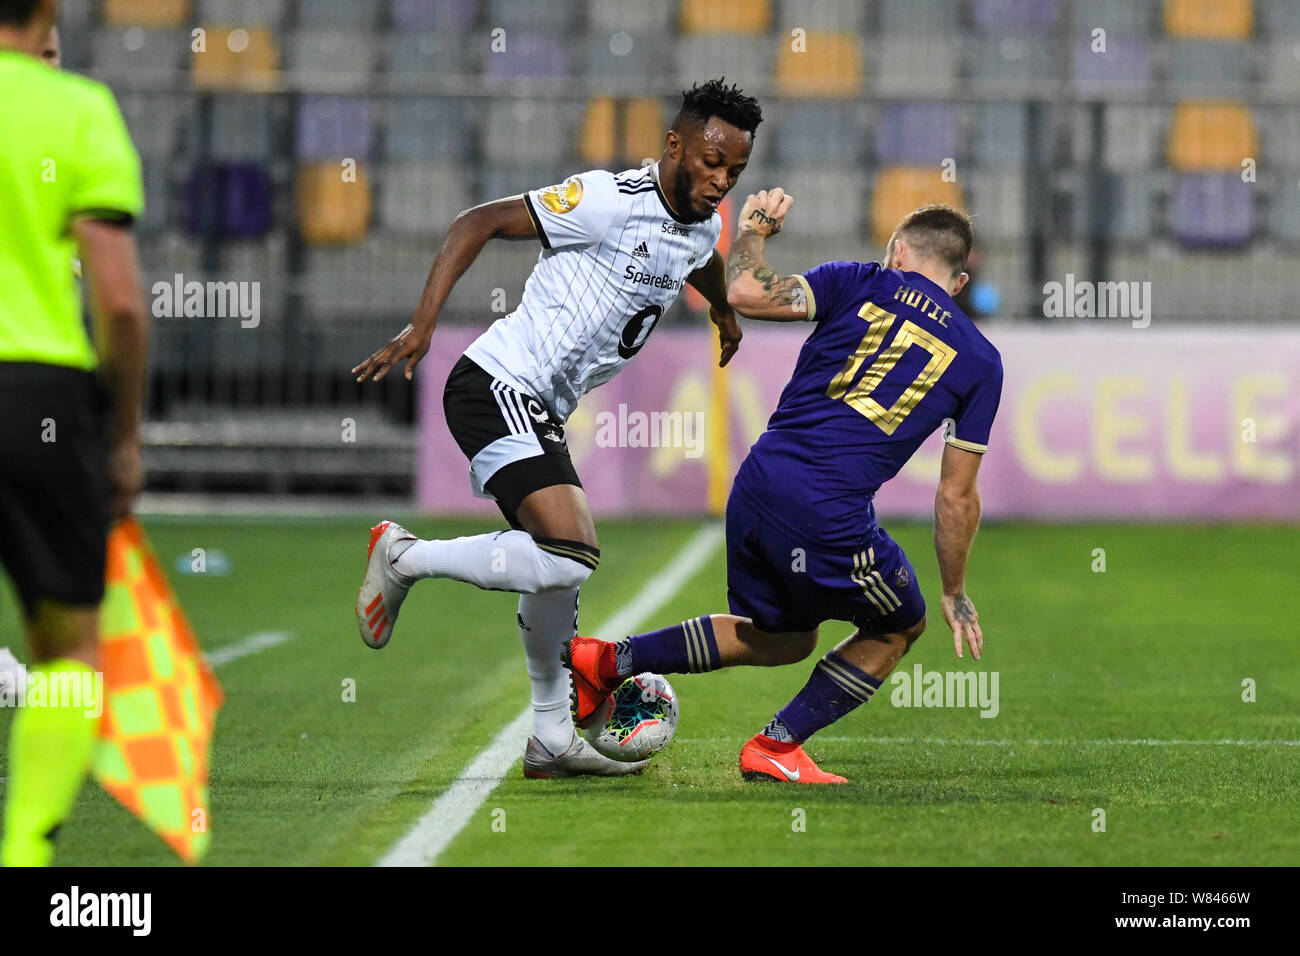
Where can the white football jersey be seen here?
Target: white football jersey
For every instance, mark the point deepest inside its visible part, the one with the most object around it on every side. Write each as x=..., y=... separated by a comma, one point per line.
x=614, y=258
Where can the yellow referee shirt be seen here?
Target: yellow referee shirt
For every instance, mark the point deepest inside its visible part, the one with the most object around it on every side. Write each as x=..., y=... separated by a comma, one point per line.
x=64, y=153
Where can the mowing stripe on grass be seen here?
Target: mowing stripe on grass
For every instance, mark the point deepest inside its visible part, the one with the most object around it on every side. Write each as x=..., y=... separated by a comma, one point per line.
x=250, y=645
x=452, y=811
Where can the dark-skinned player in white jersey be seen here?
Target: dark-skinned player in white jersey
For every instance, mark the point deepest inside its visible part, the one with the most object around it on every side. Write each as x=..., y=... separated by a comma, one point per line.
x=617, y=250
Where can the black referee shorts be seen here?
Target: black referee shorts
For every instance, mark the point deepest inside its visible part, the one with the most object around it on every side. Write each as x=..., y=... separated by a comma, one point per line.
x=513, y=445
x=54, y=493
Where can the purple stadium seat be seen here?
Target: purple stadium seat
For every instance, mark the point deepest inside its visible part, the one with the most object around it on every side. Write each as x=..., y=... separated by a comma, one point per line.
x=1126, y=65
x=994, y=16
x=228, y=200
x=528, y=54
x=330, y=127
x=443, y=15
x=1212, y=209
x=917, y=133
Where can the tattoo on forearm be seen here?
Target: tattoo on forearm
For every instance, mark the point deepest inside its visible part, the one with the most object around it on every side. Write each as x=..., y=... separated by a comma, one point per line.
x=747, y=257
x=963, y=610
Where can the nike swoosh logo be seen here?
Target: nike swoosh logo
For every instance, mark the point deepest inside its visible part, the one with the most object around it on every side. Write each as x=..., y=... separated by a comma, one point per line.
x=791, y=775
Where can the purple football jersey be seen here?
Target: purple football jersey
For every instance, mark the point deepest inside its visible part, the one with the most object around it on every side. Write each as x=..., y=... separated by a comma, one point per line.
x=891, y=359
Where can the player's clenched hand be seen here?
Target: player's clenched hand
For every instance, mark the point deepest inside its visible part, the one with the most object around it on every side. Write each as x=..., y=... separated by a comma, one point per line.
x=764, y=211
x=407, y=344
x=960, y=614
x=728, y=333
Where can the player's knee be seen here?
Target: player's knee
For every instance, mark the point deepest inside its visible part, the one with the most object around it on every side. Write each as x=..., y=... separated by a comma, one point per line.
x=567, y=564
x=801, y=645
x=910, y=635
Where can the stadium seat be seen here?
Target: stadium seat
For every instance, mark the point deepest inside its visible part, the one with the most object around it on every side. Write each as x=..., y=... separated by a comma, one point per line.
x=900, y=189
x=642, y=17
x=242, y=128
x=142, y=56
x=528, y=54
x=510, y=179
x=812, y=131
x=1211, y=135
x=427, y=128
x=1280, y=129
x=1282, y=65
x=917, y=133
x=830, y=65
x=621, y=132
x=1208, y=67
x=546, y=126
x=1019, y=16
x=155, y=120
x=77, y=16
x=828, y=200
x=454, y=16
x=156, y=190
x=1221, y=19
x=1280, y=18
x=421, y=198
x=331, y=210
x=334, y=127
x=726, y=16
x=914, y=65
x=247, y=13
x=1127, y=209
x=228, y=201
x=842, y=16
x=745, y=60
x=1119, y=18
x=997, y=201
x=335, y=60
x=621, y=64
x=361, y=15
x=1132, y=137
x=1001, y=129
x=413, y=57
x=237, y=61
x=1125, y=66
x=1284, y=207
x=1212, y=209
x=937, y=17
x=1012, y=62
x=555, y=17
x=146, y=13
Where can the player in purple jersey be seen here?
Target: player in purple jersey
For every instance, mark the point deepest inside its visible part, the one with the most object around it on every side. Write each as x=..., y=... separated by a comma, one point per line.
x=890, y=359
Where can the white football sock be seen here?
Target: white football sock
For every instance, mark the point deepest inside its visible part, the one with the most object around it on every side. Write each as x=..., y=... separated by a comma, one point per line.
x=546, y=623
x=503, y=561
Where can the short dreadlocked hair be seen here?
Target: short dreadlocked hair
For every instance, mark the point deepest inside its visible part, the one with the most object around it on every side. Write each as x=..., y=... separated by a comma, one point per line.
x=727, y=103
x=17, y=13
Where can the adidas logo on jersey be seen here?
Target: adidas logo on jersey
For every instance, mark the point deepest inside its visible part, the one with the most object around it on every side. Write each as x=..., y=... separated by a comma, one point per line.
x=641, y=252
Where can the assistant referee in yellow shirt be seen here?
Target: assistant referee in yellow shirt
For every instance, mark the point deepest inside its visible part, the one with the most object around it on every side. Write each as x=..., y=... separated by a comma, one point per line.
x=69, y=409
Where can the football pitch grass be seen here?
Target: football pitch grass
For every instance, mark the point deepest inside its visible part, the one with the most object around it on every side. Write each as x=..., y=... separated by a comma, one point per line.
x=1119, y=691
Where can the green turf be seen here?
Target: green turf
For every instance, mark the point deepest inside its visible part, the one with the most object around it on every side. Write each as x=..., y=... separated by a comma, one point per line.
x=1154, y=648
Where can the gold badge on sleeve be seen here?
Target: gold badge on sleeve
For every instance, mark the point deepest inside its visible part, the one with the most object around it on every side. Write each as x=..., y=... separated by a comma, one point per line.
x=563, y=197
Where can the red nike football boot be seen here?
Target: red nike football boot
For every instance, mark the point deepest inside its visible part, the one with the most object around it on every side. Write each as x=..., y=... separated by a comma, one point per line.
x=593, y=678
x=763, y=758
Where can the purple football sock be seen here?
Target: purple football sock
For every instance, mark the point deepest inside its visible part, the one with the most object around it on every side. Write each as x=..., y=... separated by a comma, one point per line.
x=835, y=688
x=686, y=648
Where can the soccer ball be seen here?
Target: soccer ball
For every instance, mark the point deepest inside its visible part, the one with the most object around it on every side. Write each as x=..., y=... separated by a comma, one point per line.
x=642, y=722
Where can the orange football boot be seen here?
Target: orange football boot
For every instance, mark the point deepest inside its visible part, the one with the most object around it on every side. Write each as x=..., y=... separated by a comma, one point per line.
x=763, y=758
x=594, y=677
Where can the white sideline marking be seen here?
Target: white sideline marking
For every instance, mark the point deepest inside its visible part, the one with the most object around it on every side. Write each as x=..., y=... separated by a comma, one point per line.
x=452, y=811
x=1063, y=742
x=249, y=645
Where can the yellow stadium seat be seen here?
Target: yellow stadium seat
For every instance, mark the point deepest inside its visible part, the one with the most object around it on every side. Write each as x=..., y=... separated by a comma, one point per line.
x=726, y=16
x=627, y=131
x=820, y=64
x=1214, y=19
x=236, y=58
x=900, y=189
x=330, y=209
x=1211, y=135
x=146, y=13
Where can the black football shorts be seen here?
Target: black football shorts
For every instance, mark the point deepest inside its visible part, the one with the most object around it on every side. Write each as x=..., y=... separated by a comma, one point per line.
x=54, y=492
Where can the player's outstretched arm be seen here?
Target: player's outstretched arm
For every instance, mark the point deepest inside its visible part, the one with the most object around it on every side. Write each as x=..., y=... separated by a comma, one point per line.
x=710, y=281
x=956, y=517
x=753, y=287
x=469, y=233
